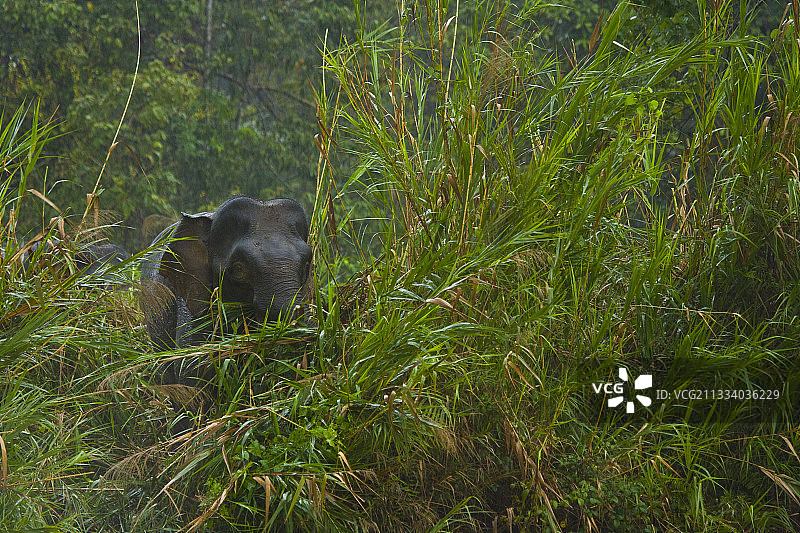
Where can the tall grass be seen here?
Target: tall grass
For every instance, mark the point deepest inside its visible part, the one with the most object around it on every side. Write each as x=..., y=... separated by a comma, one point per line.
x=521, y=204
x=60, y=339
x=496, y=230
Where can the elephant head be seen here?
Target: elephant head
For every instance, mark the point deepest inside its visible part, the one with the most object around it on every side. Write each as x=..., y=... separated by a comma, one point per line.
x=251, y=252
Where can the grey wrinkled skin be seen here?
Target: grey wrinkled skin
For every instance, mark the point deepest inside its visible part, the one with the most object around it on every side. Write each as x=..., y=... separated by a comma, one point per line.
x=89, y=259
x=94, y=256
x=253, y=253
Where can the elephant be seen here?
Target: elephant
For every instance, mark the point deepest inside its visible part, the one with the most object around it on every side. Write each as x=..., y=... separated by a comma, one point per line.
x=88, y=258
x=91, y=258
x=250, y=252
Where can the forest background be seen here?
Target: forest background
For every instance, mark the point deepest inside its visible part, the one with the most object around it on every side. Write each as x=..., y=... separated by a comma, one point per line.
x=224, y=101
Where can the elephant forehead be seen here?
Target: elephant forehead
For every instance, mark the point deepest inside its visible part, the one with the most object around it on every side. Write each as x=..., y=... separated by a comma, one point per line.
x=273, y=247
x=263, y=250
x=256, y=220
x=283, y=217
x=264, y=227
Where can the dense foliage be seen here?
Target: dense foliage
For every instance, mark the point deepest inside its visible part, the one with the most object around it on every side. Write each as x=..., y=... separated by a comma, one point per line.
x=224, y=92
x=223, y=99
x=498, y=228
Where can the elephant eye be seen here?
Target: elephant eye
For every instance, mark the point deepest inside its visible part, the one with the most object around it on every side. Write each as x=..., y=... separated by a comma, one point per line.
x=237, y=272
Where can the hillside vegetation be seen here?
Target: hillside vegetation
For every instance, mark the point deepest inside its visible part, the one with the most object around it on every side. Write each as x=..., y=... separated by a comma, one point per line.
x=498, y=229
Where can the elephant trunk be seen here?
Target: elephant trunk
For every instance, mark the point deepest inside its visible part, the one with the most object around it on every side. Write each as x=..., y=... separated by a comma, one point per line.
x=281, y=303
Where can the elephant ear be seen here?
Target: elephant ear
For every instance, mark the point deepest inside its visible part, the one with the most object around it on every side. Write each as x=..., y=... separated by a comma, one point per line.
x=186, y=262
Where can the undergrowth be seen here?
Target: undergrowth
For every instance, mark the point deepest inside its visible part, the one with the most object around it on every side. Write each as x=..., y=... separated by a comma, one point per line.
x=497, y=232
